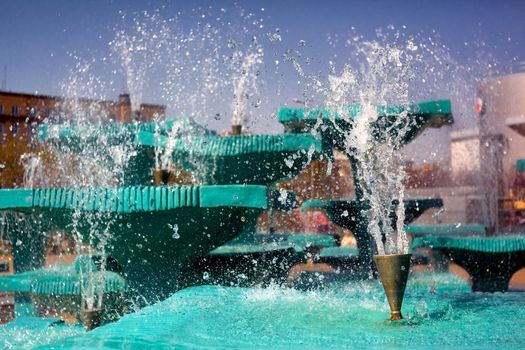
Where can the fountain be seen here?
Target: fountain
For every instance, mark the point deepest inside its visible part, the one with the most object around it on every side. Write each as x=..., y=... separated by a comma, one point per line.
x=190, y=308
x=132, y=207
x=181, y=209
x=261, y=155
x=355, y=215
x=149, y=260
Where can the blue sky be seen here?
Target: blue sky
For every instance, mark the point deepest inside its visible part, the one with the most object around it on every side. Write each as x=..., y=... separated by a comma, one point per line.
x=41, y=41
x=36, y=36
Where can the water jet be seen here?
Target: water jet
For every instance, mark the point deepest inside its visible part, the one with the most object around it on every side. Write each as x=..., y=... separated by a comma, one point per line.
x=91, y=318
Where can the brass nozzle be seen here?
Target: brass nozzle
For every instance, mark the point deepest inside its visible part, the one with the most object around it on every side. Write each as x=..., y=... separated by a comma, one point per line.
x=236, y=129
x=91, y=318
x=161, y=176
x=393, y=272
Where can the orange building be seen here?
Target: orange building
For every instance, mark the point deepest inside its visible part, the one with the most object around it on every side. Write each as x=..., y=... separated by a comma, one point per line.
x=24, y=111
x=21, y=113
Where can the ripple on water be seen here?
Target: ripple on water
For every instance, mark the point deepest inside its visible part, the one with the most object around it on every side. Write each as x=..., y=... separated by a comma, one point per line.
x=345, y=316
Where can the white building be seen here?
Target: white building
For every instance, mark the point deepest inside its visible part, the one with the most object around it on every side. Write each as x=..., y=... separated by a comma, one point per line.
x=502, y=118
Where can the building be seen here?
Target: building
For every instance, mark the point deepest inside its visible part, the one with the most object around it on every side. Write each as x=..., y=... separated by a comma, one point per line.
x=502, y=113
x=21, y=112
x=464, y=160
x=483, y=160
x=502, y=116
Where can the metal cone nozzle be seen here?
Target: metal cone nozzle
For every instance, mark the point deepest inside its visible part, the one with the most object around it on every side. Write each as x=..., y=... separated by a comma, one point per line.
x=161, y=176
x=236, y=130
x=393, y=272
x=91, y=318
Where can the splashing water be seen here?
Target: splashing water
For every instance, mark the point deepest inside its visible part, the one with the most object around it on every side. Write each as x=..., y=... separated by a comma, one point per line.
x=197, y=68
x=32, y=165
x=90, y=159
x=241, y=84
x=194, y=65
x=382, y=75
x=175, y=229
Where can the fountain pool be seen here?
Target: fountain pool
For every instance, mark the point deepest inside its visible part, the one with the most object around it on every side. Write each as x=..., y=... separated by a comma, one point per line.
x=440, y=313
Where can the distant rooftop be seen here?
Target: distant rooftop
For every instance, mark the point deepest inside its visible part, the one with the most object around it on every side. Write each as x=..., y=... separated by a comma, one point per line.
x=123, y=98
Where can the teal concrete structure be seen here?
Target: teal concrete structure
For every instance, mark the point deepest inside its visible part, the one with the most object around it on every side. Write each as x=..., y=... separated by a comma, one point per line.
x=446, y=230
x=66, y=279
x=490, y=261
x=116, y=132
x=243, y=159
x=140, y=222
x=433, y=114
x=246, y=159
x=333, y=128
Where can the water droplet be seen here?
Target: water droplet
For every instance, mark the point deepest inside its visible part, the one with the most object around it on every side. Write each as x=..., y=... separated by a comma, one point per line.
x=411, y=46
x=175, y=229
x=274, y=36
x=421, y=308
x=283, y=196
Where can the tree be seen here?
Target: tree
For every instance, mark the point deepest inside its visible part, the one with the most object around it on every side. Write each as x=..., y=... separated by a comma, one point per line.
x=12, y=148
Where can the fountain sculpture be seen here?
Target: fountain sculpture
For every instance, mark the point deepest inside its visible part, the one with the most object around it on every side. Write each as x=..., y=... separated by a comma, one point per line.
x=336, y=127
x=165, y=233
x=240, y=204
x=143, y=259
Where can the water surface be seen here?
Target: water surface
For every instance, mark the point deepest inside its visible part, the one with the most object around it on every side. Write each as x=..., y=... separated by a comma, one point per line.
x=440, y=313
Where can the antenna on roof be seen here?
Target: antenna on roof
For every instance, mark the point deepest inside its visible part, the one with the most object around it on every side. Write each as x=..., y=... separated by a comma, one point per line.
x=4, y=78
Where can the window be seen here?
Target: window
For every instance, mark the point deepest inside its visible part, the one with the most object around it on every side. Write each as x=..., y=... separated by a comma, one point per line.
x=14, y=128
x=1, y=108
x=14, y=111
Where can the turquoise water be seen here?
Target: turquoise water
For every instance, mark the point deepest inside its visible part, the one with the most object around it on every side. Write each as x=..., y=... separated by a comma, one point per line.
x=440, y=313
x=27, y=332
